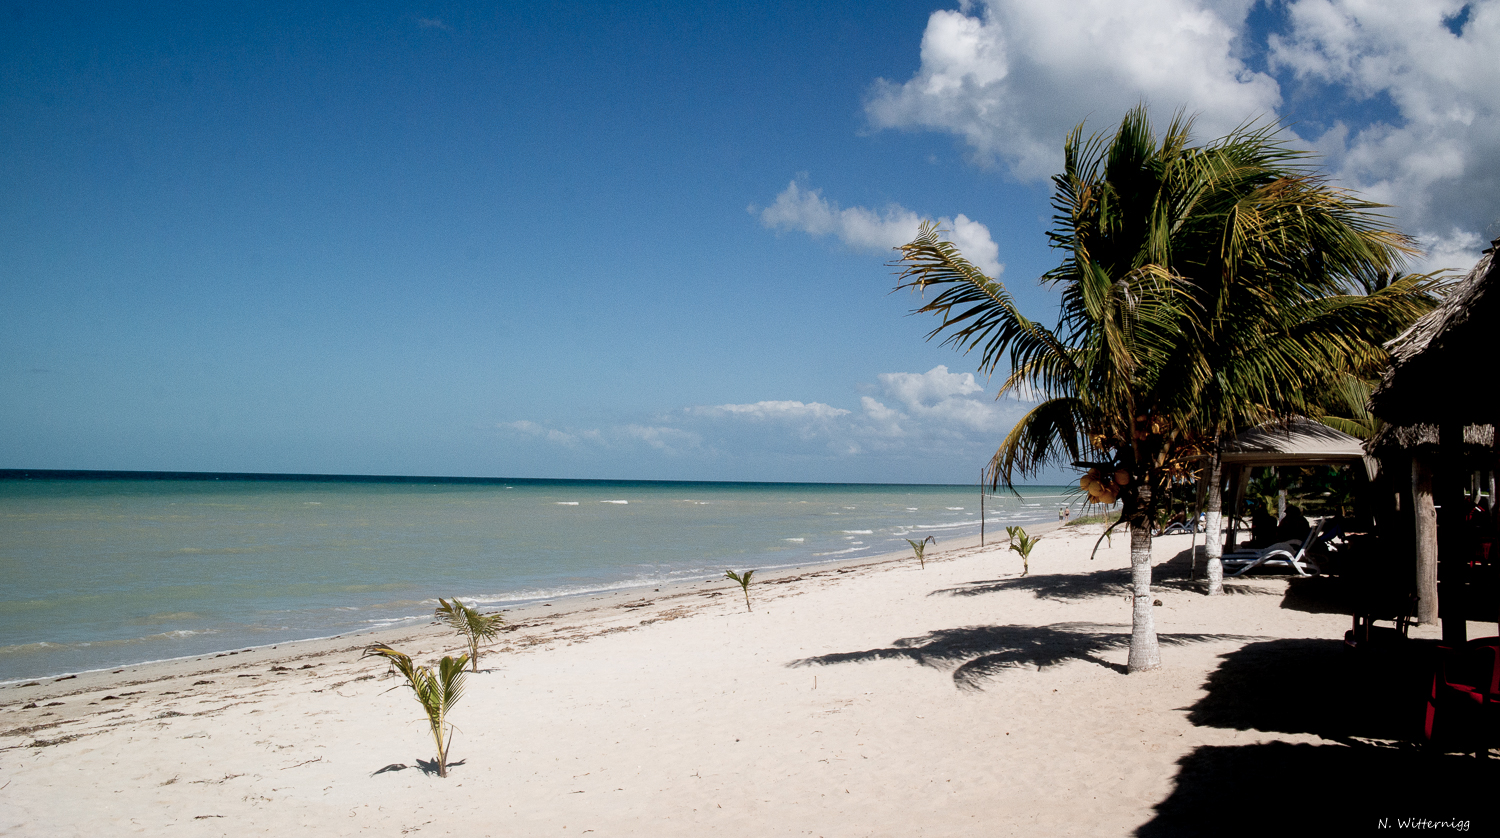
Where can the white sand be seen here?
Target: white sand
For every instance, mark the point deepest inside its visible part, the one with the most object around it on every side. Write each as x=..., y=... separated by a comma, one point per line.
x=678, y=713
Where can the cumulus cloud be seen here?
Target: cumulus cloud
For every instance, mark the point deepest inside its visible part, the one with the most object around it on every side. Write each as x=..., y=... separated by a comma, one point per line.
x=1438, y=161
x=942, y=397
x=806, y=210
x=1013, y=77
x=1417, y=83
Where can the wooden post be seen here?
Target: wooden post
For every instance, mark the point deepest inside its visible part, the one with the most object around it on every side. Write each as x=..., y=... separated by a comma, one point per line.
x=1241, y=484
x=981, y=507
x=1426, y=546
x=1454, y=546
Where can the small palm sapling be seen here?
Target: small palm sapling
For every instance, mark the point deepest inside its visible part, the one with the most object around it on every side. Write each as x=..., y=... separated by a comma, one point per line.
x=474, y=627
x=1022, y=543
x=920, y=548
x=744, y=580
x=437, y=692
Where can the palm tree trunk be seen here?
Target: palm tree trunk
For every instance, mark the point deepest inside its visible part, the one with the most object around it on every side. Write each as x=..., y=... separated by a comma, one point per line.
x=1144, y=653
x=1213, y=549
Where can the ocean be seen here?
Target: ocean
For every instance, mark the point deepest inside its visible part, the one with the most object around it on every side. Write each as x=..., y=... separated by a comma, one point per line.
x=106, y=571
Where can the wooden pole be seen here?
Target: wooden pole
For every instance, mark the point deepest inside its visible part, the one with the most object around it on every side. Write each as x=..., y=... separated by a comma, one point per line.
x=981, y=507
x=1425, y=529
x=1453, y=545
x=1241, y=483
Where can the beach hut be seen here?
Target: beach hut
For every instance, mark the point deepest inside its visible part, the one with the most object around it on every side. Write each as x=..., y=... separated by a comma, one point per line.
x=1293, y=443
x=1441, y=403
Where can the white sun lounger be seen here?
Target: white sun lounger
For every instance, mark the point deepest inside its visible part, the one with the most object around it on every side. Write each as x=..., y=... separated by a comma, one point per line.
x=1286, y=553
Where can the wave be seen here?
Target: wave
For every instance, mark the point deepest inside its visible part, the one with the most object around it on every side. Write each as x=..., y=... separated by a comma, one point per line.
x=842, y=552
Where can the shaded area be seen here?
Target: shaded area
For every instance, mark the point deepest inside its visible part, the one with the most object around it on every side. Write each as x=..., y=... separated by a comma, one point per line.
x=1171, y=575
x=1314, y=686
x=978, y=652
x=1303, y=789
x=1062, y=587
x=1372, y=776
x=1320, y=595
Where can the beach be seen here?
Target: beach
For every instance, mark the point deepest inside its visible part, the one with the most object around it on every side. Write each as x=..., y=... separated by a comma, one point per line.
x=873, y=697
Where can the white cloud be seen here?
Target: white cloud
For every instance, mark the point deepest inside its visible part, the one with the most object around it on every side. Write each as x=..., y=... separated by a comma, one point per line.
x=799, y=208
x=1439, y=162
x=940, y=396
x=533, y=429
x=935, y=385
x=667, y=439
x=1014, y=77
x=771, y=410
x=933, y=417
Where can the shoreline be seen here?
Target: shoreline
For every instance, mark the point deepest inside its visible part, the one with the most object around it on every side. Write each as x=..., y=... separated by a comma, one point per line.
x=587, y=602
x=523, y=607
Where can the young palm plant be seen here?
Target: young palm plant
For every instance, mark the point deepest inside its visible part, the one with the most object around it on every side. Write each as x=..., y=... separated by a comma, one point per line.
x=744, y=580
x=920, y=548
x=1176, y=259
x=1022, y=543
x=437, y=692
x=475, y=628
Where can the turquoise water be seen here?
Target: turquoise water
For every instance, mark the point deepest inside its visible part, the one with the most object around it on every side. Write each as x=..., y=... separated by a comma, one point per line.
x=106, y=572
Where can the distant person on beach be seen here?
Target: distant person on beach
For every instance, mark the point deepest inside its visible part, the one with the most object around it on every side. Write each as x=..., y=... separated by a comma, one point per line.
x=1067, y=513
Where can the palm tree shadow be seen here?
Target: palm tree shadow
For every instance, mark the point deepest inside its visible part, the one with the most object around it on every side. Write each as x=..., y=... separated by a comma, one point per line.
x=976, y=653
x=1062, y=587
x=430, y=766
x=1174, y=574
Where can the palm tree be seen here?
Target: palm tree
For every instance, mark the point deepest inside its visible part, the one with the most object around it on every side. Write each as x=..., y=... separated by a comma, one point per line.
x=1175, y=257
x=437, y=692
x=475, y=628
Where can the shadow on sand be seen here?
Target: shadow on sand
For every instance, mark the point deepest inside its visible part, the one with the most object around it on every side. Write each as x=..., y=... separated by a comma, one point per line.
x=1367, y=707
x=1172, y=575
x=975, y=653
x=1303, y=789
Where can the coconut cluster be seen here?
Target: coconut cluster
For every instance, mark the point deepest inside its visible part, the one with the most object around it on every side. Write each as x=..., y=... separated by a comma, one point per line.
x=1102, y=488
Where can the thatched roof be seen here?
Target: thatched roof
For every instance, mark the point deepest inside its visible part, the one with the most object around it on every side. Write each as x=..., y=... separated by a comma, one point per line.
x=1407, y=437
x=1442, y=367
x=1296, y=442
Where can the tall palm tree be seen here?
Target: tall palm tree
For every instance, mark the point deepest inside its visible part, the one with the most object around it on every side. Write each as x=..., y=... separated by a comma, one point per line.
x=1176, y=257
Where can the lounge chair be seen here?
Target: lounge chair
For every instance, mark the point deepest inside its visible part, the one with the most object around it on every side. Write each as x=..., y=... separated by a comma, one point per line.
x=1287, y=553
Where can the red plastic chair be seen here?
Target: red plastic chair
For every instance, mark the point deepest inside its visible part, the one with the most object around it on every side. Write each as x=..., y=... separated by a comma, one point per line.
x=1464, y=703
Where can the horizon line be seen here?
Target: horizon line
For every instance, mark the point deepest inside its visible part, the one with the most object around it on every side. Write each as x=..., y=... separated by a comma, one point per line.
x=267, y=477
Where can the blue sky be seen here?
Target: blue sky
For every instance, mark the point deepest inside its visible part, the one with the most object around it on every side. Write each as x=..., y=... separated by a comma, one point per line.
x=574, y=240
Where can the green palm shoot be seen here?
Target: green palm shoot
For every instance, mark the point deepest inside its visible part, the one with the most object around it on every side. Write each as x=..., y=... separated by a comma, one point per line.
x=437, y=692
x=744, y=580
x=920, y=548
x=476, y=628
x=1022, y=543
